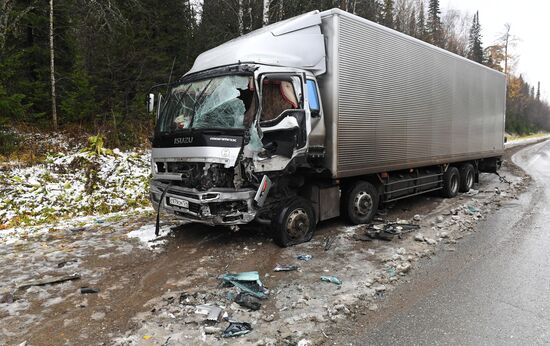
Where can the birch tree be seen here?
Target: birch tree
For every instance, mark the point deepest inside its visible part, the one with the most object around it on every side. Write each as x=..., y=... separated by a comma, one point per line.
x=52, y=69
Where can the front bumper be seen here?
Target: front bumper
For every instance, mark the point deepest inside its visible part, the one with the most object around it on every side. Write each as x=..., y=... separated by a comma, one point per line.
x=218, y=206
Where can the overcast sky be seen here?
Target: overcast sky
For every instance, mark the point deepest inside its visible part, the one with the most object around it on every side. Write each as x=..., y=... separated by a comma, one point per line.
x=530, y=20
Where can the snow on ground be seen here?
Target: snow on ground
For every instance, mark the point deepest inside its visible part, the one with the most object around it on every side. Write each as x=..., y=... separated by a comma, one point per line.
x=74, y=184
x=146, y=235
x=20, y=234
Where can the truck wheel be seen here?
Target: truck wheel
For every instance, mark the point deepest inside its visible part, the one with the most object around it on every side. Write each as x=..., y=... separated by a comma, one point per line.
x=466, y=177
x=361, y=202
x=294, y=223
x=451, y=179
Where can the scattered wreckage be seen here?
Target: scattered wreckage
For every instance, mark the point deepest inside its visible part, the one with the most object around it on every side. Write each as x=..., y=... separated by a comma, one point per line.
x=287, y=126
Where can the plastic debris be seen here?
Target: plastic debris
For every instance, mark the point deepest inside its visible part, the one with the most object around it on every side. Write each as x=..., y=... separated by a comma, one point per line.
x=212, y=312
x=147, y=337
x=285, y=268
x=236, y=329
x=472, y=209
x=247, y=282
x=248, y=301
x=304, y=257
x=88, y=290
x=386, y=231
x=332, y=279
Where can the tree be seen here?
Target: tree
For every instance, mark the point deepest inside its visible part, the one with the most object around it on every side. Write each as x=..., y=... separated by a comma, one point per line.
x=434, y=29
x=538, y=91
x=455, y=28
x=52, y=70
x=387, y=14
x=368, y=9
x=475, y=49
x=421, y=23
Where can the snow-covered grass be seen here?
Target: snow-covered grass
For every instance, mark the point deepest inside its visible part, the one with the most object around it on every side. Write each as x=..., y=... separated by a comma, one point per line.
x=74, y=184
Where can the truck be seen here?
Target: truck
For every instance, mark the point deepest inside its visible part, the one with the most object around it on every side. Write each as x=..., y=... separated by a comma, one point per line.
x=319, y=116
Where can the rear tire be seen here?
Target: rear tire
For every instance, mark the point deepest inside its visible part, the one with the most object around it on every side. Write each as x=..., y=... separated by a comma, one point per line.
x=361, y=202
x=467, y=177
x=451, y=180
x=294, y=223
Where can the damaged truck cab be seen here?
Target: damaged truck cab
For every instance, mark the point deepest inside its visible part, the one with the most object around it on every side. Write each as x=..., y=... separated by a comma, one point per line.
x=319, y=114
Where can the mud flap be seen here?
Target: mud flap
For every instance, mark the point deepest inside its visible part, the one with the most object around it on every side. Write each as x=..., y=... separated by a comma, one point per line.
x=157, y=225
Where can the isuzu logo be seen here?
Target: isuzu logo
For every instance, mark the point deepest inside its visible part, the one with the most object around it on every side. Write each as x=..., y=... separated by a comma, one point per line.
x=183, y=140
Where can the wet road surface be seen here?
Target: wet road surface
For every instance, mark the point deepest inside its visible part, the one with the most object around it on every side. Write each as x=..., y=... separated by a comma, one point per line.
x=494, y=290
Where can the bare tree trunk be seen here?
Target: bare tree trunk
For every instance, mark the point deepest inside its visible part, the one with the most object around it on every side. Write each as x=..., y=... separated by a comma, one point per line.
x=265, y=12
x=52, y=69
x=506, y=40
x=240, y=17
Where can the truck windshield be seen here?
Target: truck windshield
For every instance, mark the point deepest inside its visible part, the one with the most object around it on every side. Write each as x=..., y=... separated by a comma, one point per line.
x=220, y=102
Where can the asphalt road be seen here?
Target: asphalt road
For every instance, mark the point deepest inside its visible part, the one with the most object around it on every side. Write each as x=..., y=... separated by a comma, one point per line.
x=494, y=290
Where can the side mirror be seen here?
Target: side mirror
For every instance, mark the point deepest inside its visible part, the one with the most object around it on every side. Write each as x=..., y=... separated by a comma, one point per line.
x=315, y=113
x=151, y=103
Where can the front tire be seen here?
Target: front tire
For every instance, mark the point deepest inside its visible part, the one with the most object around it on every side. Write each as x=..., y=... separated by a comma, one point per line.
x=361, y=203
x=294, y=223
x=451, y=179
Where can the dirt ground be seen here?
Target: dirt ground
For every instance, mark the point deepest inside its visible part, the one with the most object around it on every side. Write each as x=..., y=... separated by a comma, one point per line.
x=148, y=291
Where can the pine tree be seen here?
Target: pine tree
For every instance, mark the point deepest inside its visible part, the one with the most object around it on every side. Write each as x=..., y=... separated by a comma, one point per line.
x=421, y=23
x=434, y=28
x=538, y=91
x=368, y=9
x=387, y=14
x=475, y=49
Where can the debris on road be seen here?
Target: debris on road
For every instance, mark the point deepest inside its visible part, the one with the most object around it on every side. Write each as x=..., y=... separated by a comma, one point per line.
x=236, y=329
x=212, y=312
x=304, y=257
x=88, y=290
x=64, y=263
x=7, y=298
x=332, y=279
x=472, y=192
x=328, y=242
x=285, y=268
x=419, y=237
x=247, y=282
x=212, y=330
x=386, y=231
x=44, y=282
x=248, y=301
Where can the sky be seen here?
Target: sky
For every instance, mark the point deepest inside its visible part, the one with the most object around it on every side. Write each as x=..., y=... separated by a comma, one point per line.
x=529, y=24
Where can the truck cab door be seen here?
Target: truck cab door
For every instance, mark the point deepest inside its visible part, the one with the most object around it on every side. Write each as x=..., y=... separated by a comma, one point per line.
x=284, y=121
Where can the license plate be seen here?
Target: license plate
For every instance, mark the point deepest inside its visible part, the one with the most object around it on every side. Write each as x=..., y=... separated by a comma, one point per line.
x=178, y=202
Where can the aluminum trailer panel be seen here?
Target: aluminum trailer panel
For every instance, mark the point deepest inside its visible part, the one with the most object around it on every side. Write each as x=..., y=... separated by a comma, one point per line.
x=394, y=102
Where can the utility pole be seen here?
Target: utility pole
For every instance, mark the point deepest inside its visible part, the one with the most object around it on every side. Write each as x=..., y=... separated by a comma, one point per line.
x=52, y=69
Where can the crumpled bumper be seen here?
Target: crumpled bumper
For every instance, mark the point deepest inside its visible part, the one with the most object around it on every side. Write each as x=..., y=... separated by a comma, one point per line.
x=218, y=206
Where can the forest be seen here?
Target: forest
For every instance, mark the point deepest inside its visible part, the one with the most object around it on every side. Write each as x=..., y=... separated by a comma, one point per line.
x=86, y=65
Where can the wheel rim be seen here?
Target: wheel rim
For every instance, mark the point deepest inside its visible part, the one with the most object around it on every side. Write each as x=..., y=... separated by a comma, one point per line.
x=362, y=203
x=454, y=183
x=297, y=224
x=469, y=179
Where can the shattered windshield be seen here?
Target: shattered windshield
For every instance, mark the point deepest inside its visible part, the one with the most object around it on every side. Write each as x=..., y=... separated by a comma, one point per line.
x=220, y=102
